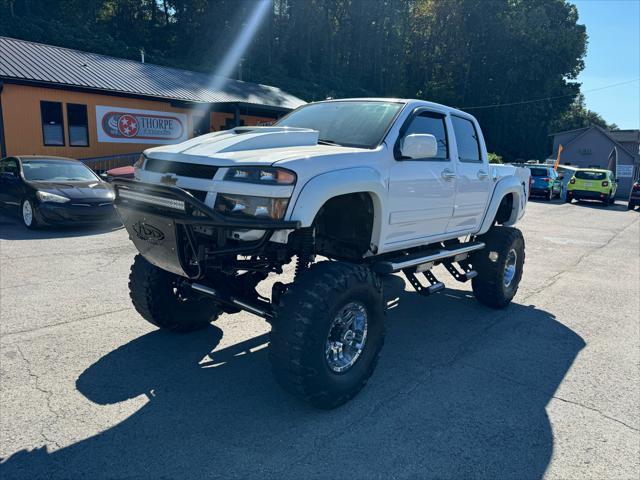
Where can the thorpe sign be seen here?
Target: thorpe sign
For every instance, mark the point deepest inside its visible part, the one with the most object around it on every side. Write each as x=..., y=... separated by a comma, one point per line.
x=128, y=125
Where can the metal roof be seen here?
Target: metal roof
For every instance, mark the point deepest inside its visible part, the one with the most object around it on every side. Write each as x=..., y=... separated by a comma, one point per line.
x=626, y=136
x=36, y=62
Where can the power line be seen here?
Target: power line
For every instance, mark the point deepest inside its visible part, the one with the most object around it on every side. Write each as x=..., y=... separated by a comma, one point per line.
x=524, y=102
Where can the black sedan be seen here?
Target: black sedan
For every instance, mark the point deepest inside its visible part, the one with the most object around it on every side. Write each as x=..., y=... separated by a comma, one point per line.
x=54, y=191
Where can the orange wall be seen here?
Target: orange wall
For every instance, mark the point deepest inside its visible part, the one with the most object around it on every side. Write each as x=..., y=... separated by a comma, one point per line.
x=23, y=129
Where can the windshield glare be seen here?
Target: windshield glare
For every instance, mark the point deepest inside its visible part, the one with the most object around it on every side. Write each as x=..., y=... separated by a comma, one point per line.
x=54, y=171
x=352, y=124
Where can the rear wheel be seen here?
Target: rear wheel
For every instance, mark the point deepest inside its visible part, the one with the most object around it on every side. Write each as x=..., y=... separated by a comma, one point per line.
x=158, y=296
x=328, y=333
x=499, y=266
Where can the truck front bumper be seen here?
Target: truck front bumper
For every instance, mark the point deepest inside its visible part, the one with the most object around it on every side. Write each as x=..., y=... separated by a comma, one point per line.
x=163, y=222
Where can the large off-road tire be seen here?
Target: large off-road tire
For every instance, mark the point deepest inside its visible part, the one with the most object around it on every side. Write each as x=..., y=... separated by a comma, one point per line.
x=499, y=266
x=156, y=296
x=328, y=333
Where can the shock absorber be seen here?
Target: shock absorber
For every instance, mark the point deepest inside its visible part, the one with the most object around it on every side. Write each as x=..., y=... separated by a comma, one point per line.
x=306, y=252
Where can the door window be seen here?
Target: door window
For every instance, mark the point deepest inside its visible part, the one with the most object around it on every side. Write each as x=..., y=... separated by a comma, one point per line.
x=78, y=126
x=52, y=128
x=433, y=124
x=466, y=140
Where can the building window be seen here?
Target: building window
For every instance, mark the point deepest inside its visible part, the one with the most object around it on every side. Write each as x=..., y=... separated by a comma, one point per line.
x=52, y=127
x=230, y=123
x=78, y=126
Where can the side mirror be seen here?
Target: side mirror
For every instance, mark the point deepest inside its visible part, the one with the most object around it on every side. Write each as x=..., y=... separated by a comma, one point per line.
x=419, y=145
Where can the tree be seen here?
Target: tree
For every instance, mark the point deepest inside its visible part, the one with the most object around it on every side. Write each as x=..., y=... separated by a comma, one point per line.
x=484, y=56
x=578, y=116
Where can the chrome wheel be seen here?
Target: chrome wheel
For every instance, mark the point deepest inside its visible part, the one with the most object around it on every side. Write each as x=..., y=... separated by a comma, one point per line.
x=27, y=213
x=347, y=337
x=510, y=267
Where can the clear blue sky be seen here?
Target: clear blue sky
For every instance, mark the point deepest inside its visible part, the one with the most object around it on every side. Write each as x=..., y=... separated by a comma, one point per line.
x=613, y=56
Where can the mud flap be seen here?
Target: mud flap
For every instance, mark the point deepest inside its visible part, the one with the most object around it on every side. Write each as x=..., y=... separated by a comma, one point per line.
x=155, y=237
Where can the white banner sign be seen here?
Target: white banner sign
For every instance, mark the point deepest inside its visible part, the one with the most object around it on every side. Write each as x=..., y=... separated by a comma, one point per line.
x=624, y=171
x=128, y=125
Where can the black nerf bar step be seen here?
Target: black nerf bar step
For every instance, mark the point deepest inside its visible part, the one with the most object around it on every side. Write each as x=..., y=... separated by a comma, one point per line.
x=151, y=198
x=434, y=284
x=426, y=256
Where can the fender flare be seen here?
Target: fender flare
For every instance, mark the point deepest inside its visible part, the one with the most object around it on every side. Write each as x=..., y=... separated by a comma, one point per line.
x=318, y=190
x=504, y=187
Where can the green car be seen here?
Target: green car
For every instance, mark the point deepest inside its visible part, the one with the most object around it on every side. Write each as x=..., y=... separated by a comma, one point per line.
x=592, y=184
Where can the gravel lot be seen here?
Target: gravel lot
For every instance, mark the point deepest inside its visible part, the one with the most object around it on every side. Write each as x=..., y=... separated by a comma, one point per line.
x=547, y=388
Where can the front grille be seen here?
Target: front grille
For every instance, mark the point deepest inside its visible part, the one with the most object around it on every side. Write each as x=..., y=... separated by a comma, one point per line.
x=181, y=169
x=91, y=204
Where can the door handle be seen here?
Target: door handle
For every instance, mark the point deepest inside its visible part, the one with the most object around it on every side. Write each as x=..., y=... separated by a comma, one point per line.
x=482, y=174
x=448, y=174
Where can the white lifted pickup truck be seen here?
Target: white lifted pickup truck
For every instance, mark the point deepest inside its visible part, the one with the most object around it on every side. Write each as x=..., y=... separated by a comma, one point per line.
x=375, y=186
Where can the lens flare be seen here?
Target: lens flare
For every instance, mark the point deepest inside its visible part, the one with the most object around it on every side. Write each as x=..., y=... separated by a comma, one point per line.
x=240, y=45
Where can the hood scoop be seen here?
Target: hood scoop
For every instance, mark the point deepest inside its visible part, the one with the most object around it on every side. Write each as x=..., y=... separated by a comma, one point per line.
x=252, y=138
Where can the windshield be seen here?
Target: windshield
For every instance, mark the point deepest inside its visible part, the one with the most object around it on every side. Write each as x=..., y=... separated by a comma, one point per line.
x=352, y=124
x=56, y=171
x=539, y=172
x=586, y=175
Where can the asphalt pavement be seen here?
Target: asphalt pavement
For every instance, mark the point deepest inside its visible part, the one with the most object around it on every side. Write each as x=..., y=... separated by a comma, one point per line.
x=547, y=388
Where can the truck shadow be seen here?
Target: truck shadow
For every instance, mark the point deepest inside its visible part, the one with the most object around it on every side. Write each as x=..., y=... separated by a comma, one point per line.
x=460, y=392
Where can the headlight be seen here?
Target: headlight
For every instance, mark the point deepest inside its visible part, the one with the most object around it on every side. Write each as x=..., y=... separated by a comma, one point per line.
x=262, y=176
x=51, y=197
x=253, y=207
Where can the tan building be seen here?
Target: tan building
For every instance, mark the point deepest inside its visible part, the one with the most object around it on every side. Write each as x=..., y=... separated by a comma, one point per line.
x=106, y=110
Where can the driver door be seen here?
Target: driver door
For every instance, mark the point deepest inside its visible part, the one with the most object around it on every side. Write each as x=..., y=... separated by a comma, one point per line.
x=10, y=185
x=421, y=191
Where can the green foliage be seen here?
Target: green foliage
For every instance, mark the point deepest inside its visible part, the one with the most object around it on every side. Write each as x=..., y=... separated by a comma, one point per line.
x=578, y=116
x=464, y=53
x=494, y=158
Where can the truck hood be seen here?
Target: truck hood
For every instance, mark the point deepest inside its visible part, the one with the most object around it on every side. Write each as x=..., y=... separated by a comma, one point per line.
x=248, y=145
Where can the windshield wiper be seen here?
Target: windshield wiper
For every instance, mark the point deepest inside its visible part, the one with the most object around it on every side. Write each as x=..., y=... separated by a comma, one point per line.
x=322, y=141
